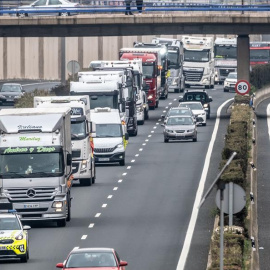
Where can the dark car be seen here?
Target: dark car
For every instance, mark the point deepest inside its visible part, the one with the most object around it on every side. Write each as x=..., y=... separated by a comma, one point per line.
x=10, y=92
x=198, y=95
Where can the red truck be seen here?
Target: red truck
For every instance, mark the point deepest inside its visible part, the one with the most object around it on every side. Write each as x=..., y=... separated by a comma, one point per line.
x=152, y=65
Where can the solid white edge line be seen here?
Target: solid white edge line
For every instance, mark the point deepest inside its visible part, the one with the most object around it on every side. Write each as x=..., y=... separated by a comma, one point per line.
x=195, y=210
x=268, y=119
x=38, y=83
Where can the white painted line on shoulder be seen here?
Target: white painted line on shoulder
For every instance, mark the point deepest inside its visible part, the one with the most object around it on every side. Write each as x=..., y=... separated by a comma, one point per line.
x=110, y=196
x=140, y=149
x=115, y=188
x=120, y=181
x=133, y=160
x=28, y=84
x=84, y=237
x=195, y=210
x=124, y=174
x=149, y=136
x=75, y=248
x=97, y=214
x=144, y=144
x=128, y=167
x=136, y=155
x=91, y=225
x=104, y=205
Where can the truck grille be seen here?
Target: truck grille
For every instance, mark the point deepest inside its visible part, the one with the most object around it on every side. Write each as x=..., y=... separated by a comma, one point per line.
x=193, y=76
x=31, y=194
x=179, y=131
x=104, y=150
x=76, y=153
x=225, y=72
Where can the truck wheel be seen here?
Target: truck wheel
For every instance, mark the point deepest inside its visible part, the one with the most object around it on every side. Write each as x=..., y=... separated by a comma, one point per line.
x=166, y=140
x=94, y=177
x=122, y=162
x=68, y=218
x=61, y=223
x=86, y=182
x=157, y=104
x=146, y=115
x=177, y=90
x=152, y=107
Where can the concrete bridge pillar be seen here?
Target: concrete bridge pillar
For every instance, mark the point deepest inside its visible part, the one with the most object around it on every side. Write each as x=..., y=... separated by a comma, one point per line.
x=243, y=61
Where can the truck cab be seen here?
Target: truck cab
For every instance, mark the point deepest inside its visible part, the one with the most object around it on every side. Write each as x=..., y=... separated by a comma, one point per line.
x=82, y=133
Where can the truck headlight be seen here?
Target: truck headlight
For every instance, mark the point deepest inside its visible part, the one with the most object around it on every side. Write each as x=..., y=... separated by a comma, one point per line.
x=120, y=145
x=84, y=165
x=139, y=109
x=174, y=81
x=19, y=237
x=58, y=204
x=150, y=97
x=205, y=106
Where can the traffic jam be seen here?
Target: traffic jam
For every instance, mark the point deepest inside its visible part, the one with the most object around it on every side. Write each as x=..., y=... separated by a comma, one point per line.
x=57, y=144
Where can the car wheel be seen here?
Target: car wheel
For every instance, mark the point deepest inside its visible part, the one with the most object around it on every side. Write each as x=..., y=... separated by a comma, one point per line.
x=204, y=124
x=86, y=181
x=146, y=115
x=94, y=177
x=25, y=258
x=122, y=162
x=195, y=139
x=177, y=90
x=157, y=104
x=61, y=223
x=141, y=122
x=166, y=140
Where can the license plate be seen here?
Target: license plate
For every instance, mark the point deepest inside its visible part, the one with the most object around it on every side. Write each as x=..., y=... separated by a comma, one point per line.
x=3, y=248
x=232, y=85
x=103, y=159
x=31, y=205
x=180, y=135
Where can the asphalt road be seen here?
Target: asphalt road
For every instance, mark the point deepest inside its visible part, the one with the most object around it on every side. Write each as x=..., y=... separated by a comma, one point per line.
x=263, y=184
x=142, y=210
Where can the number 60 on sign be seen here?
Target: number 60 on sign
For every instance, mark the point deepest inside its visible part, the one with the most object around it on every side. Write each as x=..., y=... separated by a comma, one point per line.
x=242, y=87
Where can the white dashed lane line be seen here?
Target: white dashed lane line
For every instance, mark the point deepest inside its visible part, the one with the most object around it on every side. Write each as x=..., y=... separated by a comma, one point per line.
x=159, y=120
x=149, y=136
x=133, y=160
x=140, y=149
x=104, y=205
x=154, y=127
x=110, y=196
x=97, y=214
x=174, y=99
x=91, y=225
x=120, y=181
x=152, y=131
x=144, y=144
x=84, y=237
x=128, y=167
x=171, y=103
x=115, y=188
x=147, y=140
x=136, y=155
x=157, y=124
x=124, y=174
x=164, y=112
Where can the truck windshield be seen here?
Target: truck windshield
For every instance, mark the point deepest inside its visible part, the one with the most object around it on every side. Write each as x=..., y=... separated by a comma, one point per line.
x=78, y=130
x=148, y=70
x=34, y=165
x=104, y=101
x=196, y=56
x=173, y=58
x=225, y=52
x=108, y=130
x=260, y=54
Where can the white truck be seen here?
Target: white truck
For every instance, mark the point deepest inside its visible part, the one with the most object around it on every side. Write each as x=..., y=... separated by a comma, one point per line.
x=110, y=137
x=176, y=79
x=225, y=53
x=198, y=61
x=82, y=133
x=36, y=162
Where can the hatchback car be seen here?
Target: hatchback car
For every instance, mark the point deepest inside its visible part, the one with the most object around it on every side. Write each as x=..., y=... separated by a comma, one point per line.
x=230, y=82
x=93, y=258
x=197, y=110
x=178, y=111
x=47, y=7
x=180, y=128
x=10, y=92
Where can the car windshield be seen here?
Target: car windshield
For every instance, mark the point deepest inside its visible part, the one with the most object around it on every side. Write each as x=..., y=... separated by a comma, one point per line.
x=176, y=121
x=232, y=76
x=91, y=259
x=193, y=106
x=108, y=130
x=173, y=57
x=179, y=112
x=78, y=130
x=10, y=88
x=9, y=224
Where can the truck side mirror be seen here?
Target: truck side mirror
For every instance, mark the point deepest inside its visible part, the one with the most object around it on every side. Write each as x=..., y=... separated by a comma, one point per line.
x=69, y=159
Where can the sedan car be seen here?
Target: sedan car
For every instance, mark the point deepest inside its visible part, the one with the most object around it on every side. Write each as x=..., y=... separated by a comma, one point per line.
x=93, y=258
x=13, y=236
x=10, y=92
x=47, y=7
x=230, y=82
x=197, y=109
x=180, y=128
x=178, y=111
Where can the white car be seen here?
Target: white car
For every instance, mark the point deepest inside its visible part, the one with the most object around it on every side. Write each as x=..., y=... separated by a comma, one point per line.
x=142, y=107
x=47, y=7
x=230, y=82
x=197, y=109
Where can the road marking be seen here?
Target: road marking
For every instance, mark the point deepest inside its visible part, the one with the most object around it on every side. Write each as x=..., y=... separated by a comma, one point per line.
x=104, y=205
x=152, y=131
x=140, y=149
x=144, y=144
x=136, y=155
x=166, y=107
x=154, y=127
x=159, y=120
x=133, y=160
x=110, y=196
x=128, y=167
x=174, y=99
x=124, y=174
x=120, y=181
x=147, y=140
x=97, y=214
x=149, y=136
x=91, y=225
x=199, y=193
x=171, y=103
x=157, y=124
x=84, y=237
x=164, y=111
x=115, y=188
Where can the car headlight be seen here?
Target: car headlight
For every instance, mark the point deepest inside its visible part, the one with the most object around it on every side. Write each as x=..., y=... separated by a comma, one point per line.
x=58, y=204
x=150, y=97
x=169, y=130
x=19, y=237
x=17, y=96
x=120, y=145
x=205, y=105
x=190, y=130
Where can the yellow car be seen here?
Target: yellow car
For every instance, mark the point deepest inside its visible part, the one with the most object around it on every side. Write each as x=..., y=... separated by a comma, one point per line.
x=13, y=236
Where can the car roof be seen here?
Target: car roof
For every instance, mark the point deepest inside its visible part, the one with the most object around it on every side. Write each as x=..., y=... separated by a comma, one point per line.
x=190, y=102
x=7, y=215
x=177, y=108
x=196, y=91
x=12, y=84
x=82, y=250
x=176, y=116
x=232, y=73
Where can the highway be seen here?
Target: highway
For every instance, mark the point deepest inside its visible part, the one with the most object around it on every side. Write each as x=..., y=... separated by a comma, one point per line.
x=143, y=209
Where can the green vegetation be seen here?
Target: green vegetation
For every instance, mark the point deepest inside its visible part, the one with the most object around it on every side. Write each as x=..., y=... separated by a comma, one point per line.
x=259, y=76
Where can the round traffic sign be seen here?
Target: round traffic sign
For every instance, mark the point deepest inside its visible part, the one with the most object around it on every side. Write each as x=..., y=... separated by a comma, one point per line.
x=242, y=87
x=73, y=67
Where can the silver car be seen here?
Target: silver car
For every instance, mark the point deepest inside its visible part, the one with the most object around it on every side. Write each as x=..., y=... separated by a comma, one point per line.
x=10, y=92
x=178, y=111
x=47, y=7
x=180, y=128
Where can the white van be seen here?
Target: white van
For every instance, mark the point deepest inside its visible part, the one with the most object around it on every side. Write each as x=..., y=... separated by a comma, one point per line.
x=110, y=140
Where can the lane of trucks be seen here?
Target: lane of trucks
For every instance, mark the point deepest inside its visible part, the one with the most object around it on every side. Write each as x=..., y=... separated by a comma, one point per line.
x=48, y=148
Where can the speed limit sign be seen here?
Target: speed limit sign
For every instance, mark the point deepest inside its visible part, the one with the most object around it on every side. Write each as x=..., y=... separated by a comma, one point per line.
x=242, y=87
